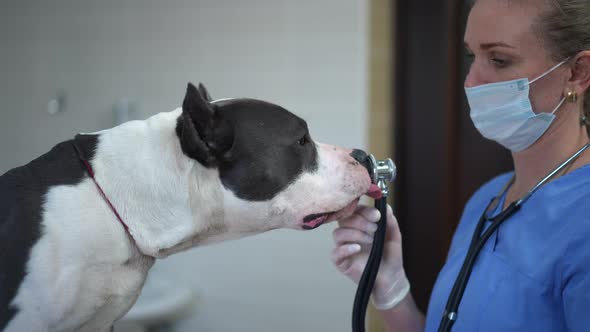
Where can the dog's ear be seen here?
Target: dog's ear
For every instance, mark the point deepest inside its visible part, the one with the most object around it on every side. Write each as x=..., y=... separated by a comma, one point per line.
x=203, y=135
x=204, y=92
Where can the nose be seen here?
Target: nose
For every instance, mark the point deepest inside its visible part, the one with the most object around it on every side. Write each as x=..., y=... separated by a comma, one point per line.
x=473, y=78
x=359, y=155
x=469, y=79
x=362, y=157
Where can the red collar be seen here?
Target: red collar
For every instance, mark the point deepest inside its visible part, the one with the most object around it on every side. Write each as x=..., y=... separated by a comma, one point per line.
x=104, y=196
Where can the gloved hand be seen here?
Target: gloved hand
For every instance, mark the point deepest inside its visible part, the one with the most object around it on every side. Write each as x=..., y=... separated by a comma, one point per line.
x=353, y=239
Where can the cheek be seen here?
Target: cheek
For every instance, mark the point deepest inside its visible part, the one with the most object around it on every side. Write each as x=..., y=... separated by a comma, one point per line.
x=545, y=99
x=546, y=93
x=321, y=192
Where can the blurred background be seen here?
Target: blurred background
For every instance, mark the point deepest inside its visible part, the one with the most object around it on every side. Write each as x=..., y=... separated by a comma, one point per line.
x=382, y=75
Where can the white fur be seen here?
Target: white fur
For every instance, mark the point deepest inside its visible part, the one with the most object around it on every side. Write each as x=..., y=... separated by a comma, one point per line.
x=82, y=262
x=85, y=272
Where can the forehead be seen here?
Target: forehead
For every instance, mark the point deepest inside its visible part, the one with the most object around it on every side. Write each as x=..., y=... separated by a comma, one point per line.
x=507, y=21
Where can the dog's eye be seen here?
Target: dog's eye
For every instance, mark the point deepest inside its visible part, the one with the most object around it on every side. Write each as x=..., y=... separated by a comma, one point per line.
x=303, y=140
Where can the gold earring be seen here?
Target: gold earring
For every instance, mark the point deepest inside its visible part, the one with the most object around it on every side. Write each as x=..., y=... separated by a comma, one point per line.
x=571, y=97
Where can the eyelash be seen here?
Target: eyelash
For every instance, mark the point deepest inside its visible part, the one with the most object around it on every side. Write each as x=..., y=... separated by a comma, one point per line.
x=499, y=63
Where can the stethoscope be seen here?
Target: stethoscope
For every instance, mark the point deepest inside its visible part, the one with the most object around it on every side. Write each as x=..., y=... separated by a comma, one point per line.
x=382, y=172
x=479, y=239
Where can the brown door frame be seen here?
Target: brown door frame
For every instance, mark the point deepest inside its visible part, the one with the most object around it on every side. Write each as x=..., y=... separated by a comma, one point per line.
x=440, y=157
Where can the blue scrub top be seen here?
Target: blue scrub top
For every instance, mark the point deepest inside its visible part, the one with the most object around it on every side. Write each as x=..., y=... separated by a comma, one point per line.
x=533, y=274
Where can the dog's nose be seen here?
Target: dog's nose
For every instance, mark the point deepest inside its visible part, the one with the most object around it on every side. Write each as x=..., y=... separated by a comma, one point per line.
x=361, y=157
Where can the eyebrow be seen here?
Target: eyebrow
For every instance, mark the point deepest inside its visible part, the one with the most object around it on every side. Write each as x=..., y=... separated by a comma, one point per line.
x=487, y=46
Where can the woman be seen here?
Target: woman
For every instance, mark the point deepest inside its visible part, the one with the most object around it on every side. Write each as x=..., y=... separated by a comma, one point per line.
x=527, y=88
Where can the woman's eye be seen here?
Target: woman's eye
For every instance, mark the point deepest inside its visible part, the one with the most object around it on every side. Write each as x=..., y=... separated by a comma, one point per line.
x=499, y=62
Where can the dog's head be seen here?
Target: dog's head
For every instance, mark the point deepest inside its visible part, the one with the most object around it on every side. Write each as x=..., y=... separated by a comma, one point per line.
x=271, y=172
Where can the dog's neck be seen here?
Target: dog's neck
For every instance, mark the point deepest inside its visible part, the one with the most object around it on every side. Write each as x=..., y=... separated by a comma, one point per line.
x=148, y=179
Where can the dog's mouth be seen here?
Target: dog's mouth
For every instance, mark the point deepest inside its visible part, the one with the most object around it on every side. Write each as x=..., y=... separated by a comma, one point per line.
x=315, y=220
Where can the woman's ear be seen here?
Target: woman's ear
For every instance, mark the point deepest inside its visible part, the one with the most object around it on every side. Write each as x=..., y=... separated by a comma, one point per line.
x=580, y=79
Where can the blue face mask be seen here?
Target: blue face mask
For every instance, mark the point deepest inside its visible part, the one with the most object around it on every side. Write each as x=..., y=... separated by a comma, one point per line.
x=502, y=112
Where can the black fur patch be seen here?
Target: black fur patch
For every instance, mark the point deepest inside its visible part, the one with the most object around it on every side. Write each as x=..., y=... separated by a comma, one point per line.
x=22, y=192
x=270, y=147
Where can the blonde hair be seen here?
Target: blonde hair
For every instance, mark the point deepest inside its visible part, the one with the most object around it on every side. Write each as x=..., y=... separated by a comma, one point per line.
x=565, y=30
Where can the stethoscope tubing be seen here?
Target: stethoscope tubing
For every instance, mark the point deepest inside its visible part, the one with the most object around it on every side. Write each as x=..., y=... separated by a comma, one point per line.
x=369, y=275
x=478, y=240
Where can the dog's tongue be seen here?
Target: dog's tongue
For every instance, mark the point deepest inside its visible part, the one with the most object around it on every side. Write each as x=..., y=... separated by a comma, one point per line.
x=315, y=223
x=374, y=191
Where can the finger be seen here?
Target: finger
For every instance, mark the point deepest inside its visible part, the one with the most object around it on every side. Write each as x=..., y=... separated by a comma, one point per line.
x=350, y=235
x=362, y=219
x=341, y=255
x=359, y=224
x=369, y=213
x=393, y=232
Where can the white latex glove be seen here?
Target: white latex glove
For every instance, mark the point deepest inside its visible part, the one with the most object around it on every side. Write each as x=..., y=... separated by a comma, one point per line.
x=354, y=237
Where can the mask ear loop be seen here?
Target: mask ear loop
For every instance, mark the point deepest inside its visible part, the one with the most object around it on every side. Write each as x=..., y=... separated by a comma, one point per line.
x=546, y=73
x=558, y=105
x=549, y=71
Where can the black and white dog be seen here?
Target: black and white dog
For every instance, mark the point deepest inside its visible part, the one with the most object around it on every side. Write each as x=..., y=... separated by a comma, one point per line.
x=81, y=225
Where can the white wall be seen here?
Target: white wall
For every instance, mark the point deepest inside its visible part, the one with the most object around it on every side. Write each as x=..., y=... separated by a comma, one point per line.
x=307, y=55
